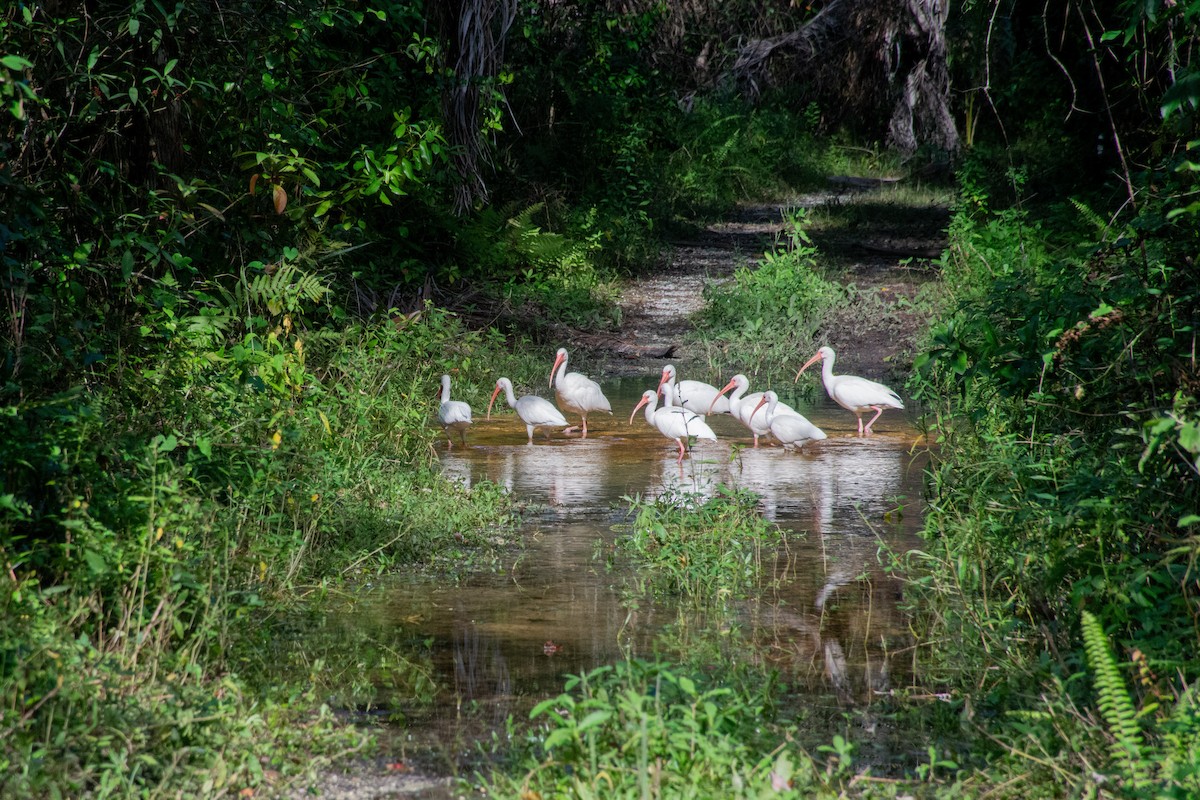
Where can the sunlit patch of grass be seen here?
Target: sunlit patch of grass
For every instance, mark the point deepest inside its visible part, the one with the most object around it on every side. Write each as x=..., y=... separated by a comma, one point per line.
x=770, y=311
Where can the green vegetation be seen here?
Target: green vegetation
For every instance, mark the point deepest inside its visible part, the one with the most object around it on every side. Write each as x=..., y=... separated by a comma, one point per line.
x=239, y=243
x=707, y=550
x=771, y=310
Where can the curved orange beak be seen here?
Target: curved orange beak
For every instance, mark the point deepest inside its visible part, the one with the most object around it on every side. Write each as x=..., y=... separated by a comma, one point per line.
x=495, y=392
x=761, y=403
x=807, y=364
x=728, y=386
x=635, y=408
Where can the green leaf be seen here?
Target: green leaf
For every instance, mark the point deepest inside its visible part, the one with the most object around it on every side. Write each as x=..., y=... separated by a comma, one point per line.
x=541, y=707
x=135, y=25
x=594, y=719
x=1189, y=437
x=15, y=62
x=560, y=736
x=1183, y=94
x=95, y=562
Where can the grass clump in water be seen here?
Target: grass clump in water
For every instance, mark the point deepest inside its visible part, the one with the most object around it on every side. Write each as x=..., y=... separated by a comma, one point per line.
x=700, y=549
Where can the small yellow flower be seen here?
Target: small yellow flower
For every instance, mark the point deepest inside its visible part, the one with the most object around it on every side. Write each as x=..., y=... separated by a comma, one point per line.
x=276, y=440
x=158, y=534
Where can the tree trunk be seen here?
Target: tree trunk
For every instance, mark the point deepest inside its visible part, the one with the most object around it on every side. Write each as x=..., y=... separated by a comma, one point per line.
x=882, y=63
x=473, y=34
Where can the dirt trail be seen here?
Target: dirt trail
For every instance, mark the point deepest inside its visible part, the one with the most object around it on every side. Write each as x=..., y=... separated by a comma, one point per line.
x=864, y=237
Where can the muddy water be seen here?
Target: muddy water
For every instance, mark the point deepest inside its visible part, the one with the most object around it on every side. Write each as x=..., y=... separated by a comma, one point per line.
x=496, y=641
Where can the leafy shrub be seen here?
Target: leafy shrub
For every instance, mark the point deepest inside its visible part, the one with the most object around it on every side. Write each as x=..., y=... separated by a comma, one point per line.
x=771, y=311
x=707, y=550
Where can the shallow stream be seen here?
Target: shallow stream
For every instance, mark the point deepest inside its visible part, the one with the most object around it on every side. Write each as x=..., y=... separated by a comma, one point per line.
x=496, y=641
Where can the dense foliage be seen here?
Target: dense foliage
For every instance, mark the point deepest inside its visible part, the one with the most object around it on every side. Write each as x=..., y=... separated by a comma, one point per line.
x=229, y=237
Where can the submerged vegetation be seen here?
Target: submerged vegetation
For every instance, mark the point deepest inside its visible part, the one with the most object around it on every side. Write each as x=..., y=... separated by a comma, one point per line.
x=232, y=275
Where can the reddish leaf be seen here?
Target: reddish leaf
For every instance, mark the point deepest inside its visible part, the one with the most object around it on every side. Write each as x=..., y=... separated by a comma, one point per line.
x=253, y=183
x=281, y=198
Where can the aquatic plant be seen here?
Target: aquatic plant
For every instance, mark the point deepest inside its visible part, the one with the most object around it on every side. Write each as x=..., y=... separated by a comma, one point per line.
x=705, y=549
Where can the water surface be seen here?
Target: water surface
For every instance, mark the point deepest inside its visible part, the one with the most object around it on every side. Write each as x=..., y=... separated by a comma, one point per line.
x=828, y=614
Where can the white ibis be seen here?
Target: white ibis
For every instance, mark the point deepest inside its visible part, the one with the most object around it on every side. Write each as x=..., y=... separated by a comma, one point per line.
x=577, y=394
x=742, y=408
x=455, y=415
x=792, y=430
x=852, y=392
x=534, y=411
x=673, y=422
x=695, y=396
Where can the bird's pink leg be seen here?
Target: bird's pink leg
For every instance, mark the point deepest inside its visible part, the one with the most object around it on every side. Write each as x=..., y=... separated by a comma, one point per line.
x=860, y=425
x=681, y=450
x=584, y=428
x=878, y=411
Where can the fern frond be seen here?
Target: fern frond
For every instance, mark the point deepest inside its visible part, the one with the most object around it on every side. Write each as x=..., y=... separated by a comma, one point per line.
x=1115, y=703
x=1091, y=217
x=285, y=288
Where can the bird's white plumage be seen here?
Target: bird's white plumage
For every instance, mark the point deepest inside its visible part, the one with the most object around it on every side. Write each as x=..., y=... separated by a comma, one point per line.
x=576, y=393
x=790, y=430
x=742, y=407
x=851, y=392
x=673, y=422
x=534, y=411
x=695, y=396
x=454, y=415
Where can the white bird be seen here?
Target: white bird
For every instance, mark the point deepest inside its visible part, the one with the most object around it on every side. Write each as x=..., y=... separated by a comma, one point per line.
x=455, y=415
x=534, y=411
x=577, y=394
x=695, y=396
x=852, y=392
x=792, y=430
x=742, y=408
x=673, y=422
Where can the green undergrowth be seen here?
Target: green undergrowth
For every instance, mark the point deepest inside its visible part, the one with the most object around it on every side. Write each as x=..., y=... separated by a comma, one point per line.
x=769, y=312
x=150, y=527
x=1061, y=555
x=711, y=723
x=706, y=550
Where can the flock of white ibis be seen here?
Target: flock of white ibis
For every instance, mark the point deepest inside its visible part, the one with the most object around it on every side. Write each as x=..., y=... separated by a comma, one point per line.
x=685, y=405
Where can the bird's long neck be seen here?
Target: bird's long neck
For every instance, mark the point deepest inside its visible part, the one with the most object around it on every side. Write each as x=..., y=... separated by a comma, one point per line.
x=651, y=407
x=510, y=395
x=772, y=401
x=446, y=389
x=561, y=374
x=735, y=397
x=827, y=372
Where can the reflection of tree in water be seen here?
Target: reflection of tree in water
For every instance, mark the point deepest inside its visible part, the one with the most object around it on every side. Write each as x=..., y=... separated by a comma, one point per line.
x=841, y=629
x=481, y=672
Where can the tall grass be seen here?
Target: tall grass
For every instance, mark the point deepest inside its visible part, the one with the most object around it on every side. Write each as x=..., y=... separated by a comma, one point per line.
x=1055, y=514
x=146, y=534
x=769, y=311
